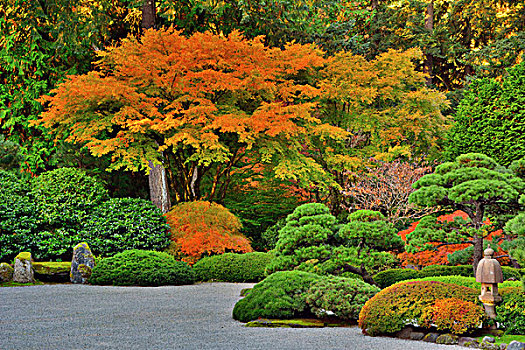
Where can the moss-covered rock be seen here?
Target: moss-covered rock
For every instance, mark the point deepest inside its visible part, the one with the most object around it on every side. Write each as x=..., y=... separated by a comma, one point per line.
x=52, y=271
x=82, y=263
x=6, y=272
x=23, y=272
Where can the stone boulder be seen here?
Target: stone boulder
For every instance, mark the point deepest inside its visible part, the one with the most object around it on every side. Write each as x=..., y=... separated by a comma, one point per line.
x=23, y=272
x=447, y=339
x=82, y=263
x=6, y=272
x=516, y=345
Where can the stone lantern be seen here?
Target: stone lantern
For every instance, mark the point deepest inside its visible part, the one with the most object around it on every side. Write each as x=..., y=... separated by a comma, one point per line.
x=489, y=273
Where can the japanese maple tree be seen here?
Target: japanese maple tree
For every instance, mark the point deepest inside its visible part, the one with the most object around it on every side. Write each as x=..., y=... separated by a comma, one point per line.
x=203, y=101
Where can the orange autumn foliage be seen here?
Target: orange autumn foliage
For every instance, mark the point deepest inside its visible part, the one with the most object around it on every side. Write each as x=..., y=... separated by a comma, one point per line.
x=196, y=104
x=204, y=228
x=439, y=255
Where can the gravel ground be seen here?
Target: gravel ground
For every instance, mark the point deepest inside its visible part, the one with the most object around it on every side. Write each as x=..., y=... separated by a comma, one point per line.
x=186, y=317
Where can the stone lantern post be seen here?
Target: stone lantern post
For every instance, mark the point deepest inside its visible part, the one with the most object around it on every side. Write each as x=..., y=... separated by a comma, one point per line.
x=489, y=273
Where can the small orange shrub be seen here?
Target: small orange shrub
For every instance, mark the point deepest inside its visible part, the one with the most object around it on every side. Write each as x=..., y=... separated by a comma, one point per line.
x=203, y=228
x=406, y=303
x=453, y=315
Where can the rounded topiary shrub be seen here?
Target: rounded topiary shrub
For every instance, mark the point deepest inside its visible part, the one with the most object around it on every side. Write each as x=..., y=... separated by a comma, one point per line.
x=281, y=295
x=406, y=303
x=141, y=268
x=232, y=267
x=120, y=224
x=65, y=196
x=345, y=297
x=204, y=228
x=292, y=294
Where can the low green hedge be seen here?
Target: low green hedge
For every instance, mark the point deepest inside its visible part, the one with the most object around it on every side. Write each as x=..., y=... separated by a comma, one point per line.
x=232, y=267
x=141, y=268
x=389, y=277
x=293, y=294
x=469, y=282
x=392, y=276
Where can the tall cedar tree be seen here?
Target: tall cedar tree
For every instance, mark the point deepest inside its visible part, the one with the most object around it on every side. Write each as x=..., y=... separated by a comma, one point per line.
x=203, y=101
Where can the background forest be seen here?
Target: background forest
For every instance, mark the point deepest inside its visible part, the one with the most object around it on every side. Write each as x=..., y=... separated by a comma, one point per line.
x=261, y=106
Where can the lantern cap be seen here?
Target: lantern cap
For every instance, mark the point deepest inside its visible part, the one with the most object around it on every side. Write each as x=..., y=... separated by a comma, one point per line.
x=489, y=252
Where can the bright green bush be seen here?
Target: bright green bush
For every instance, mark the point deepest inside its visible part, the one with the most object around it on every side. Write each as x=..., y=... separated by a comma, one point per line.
x=345, y=297
x=141, y=268
x=406, y=303
x=389, y=277
x=120, y=224
x=17, y=216
x=280, y=295
x=291, y=294
x=65, y=196
x=232, y=267
x=511, y=312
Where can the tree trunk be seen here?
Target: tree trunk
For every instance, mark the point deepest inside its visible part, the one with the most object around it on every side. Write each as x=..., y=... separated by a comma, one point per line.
x=429, y=26
x=148, y=14
x=158, y=181
x=158, y=187
x=478, y=252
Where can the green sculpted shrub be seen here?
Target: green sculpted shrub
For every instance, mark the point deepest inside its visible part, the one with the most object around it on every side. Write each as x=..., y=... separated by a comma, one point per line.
x=65, y=196
x=406, y=303
x=280, y=295
x=311, y=241
x=141, y=268
x=345, y=297
x=232, y=267
x=291, y=294
x=389, y=277
x=120, y=224
x=511, y=312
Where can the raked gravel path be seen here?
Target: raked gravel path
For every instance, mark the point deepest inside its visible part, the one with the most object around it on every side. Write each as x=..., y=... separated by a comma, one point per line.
x=187, y=317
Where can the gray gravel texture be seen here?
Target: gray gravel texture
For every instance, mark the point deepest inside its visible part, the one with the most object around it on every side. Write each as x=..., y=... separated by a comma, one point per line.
x=184, y=317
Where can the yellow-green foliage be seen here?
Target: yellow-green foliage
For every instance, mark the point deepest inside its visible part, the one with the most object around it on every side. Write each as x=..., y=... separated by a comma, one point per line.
x=405, y=303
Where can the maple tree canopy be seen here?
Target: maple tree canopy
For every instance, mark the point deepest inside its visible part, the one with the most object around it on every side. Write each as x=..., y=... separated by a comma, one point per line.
x=196, y=104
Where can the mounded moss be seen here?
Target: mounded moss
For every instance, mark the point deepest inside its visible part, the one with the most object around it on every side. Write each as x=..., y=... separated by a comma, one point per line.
x=23, y=256
x=52, y=267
